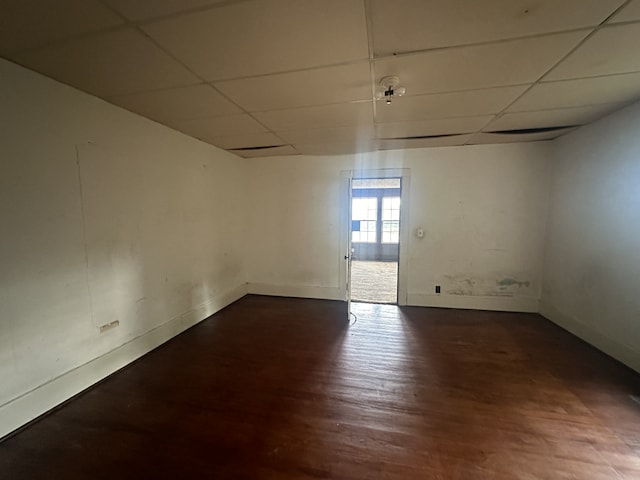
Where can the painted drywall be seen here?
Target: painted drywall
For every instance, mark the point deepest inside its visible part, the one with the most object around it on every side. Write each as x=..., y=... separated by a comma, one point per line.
x=483, y=209
x=592, y=266
x=106, y=217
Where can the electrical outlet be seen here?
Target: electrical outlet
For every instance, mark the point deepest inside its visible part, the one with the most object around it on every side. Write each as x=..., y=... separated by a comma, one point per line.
x=437, y=288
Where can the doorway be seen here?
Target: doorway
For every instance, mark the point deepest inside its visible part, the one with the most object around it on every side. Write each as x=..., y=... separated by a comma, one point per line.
x=375, y=239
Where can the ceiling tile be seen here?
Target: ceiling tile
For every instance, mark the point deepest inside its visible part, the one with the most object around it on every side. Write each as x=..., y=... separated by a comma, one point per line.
x=266, y=152
x=276, y=35
x=411, y=25
x=432, y=127
x=445, y=141
x=610, y=50
x=249, y=140
x=630, y=13
x=178, y=103
x=358, y=113
x=486, y=138
x=442, y=105
x=212, y=127
x=464, y=68
x=577, y=93
x=328, y=135
x=109, y=64
x=336, y=148
x=33, y=23
x=143, y=9
x=326, y=85
x=550, y=118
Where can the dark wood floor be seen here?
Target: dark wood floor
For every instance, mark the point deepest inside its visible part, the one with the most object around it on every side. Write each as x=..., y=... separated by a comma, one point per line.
x=274, y=388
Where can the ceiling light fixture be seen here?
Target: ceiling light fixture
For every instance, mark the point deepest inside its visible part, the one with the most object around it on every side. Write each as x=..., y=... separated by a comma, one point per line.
x=389, y=88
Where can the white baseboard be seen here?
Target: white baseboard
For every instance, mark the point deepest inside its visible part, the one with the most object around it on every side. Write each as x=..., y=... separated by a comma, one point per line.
x=619, y=351
x=470, y=302
x=299, y=291
x=43, y=398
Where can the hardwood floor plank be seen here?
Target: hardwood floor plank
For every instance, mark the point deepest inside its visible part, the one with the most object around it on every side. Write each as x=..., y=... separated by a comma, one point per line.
x=277, y=388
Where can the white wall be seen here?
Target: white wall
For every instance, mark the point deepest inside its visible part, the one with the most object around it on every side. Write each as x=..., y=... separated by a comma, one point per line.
x=105, y=216
x=483, y=209
x=592, y=267
x=108, y=216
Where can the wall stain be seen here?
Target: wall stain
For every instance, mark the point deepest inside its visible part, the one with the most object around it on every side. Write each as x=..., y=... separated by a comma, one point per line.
x=499, y=294
x=509, y=282
x=459, y=291
x=469, y=285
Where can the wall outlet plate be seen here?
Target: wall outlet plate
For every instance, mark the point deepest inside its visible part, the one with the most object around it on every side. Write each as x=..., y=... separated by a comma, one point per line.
x=109, y=326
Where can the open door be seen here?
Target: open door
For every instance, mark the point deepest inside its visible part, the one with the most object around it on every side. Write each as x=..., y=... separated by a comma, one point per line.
x=375, y=239
x=345, y=238
x=349, y=255
x=347, y=268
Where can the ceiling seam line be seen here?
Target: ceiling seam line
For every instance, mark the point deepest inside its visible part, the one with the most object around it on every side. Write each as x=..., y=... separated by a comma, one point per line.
x=134, y=26
x=490, y=42
x=615, y=12
x=174, y=58
x=372, y=74
x=126, y=23
x=539, y=81
x=130, y=25
x=184, y=13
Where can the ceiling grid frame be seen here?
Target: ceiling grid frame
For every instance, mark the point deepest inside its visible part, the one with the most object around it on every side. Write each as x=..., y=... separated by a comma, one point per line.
x=541, y=79
x=367, y=7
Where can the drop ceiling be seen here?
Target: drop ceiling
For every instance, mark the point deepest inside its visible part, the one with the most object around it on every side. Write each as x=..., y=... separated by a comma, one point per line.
x=287, y=77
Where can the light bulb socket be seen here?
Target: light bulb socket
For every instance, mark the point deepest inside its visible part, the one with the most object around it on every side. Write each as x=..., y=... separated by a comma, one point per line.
x=388, y=88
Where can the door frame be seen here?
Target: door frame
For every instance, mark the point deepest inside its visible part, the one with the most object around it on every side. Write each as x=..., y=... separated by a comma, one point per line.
x=346, y=177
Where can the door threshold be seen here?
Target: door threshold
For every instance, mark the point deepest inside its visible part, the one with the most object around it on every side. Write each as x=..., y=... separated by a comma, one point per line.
x=375, y=303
